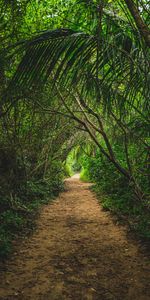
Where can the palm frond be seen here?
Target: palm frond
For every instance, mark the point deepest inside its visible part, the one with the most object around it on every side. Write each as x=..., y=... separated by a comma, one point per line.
x=70, y=58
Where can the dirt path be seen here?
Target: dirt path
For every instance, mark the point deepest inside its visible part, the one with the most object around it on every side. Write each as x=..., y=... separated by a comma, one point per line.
x=76, y=253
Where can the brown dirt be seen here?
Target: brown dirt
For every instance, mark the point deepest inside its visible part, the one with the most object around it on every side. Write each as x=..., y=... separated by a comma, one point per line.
x=77, y=253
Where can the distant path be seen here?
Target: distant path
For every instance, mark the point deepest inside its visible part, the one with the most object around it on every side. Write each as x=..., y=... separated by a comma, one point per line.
x=76, y=253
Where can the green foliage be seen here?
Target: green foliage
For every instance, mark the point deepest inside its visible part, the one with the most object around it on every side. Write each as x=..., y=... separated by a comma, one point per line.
x=11, y=223
x=63, y=74
x=84, y=175
x=68, y=170
x=72, y=164
x=11, y=220
x=5, y=244
x=143, y=227
x=116, y=193
x=19, y=218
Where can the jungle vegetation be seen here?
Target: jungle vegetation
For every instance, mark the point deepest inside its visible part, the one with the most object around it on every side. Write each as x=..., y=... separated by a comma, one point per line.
x=74, y=96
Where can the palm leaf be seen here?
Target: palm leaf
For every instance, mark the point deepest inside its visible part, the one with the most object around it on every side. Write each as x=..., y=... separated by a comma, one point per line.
x=71, y=58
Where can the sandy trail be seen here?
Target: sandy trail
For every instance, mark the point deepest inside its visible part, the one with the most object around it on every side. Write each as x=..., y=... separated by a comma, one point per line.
x=76, y=253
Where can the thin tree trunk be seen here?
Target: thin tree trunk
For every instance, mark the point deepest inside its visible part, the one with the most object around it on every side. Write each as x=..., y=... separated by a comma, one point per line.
x=142, y=27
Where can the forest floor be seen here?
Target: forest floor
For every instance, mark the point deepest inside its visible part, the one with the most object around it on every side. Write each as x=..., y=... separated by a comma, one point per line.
x=76, y=252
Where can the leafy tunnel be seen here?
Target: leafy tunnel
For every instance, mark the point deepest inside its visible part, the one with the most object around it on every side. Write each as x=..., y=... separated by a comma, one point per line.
x=74, y=97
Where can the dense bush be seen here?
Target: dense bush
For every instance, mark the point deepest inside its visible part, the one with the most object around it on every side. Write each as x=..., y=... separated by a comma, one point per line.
x=17, y=212
x=116, y=193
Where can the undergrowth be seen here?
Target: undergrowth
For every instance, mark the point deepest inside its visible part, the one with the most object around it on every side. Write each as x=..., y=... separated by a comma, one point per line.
x=116, y=194
x=121, y=205
x=17, y=213
x=84, y=175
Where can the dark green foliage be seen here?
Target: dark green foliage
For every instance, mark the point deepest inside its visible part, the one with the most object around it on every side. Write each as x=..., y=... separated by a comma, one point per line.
x=5, y=244
x=17, y=216
x=11, y=220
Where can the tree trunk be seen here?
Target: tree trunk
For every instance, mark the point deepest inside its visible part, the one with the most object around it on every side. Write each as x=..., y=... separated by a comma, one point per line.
x=142, y=27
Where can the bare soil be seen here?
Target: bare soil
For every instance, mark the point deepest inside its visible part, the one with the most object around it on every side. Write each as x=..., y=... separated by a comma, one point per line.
x=78, y=253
